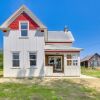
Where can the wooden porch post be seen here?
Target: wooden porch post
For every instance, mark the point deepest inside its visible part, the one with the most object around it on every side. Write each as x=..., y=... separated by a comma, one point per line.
x=65, y=62
x=79, y=62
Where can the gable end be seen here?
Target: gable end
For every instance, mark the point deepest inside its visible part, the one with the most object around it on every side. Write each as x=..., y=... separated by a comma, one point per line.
x=23, y=17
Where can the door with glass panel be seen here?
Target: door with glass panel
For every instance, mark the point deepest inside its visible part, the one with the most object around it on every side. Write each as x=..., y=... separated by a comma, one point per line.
x=56, y=62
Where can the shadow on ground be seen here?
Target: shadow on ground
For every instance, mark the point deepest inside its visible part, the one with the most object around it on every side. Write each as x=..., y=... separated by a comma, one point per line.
x=45, y=89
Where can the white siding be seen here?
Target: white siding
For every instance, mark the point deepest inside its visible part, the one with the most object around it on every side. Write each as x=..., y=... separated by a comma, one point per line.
x=72, y=70
x=13, y=42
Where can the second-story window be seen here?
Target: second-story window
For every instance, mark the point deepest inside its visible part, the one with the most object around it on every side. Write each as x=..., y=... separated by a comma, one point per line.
x=24, y=28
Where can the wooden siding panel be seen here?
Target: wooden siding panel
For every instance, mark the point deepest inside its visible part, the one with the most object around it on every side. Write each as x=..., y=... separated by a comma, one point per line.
x=23, y=17
x=93, y=60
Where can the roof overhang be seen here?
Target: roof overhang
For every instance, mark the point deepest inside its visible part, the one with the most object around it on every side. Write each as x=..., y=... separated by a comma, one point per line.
x=62, y=51
x=4, y=28
x=58, y=42
x=61, y=48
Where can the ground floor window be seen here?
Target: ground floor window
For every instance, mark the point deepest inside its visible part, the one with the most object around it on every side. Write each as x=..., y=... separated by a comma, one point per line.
x=72, y=59
x=15, y=59
x=69, y=62
x=75, y=62
x=33, y=57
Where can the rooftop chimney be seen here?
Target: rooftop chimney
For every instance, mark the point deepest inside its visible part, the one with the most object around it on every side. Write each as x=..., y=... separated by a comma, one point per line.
x=65, y=29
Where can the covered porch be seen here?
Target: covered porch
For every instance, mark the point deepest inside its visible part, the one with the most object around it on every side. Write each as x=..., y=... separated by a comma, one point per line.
x=62, y=62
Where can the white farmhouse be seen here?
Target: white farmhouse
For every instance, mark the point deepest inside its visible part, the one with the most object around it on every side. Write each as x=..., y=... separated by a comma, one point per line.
x=30, y=50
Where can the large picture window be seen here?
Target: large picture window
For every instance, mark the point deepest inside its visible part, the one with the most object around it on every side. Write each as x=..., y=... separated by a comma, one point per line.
x=15, y=61
x=24, y=28
x=32, y=57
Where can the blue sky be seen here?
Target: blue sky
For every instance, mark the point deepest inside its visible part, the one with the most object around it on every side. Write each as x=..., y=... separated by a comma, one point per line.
x=81, y=16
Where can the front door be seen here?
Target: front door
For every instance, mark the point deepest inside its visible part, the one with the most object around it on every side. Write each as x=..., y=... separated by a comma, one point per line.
x=56, y=61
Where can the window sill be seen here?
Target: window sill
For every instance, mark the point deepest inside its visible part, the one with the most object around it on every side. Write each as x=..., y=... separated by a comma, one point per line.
x=32, y=68
x=24, y=37
x=15, y=68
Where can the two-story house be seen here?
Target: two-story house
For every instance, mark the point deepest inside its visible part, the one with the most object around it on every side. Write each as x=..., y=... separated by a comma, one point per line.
x=30, y=50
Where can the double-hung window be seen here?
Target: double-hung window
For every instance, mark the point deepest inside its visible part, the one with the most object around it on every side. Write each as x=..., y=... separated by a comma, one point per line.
x=15, y=59
x=69, y=60
x=24, y=28
x=33, y=57
x=75, y=60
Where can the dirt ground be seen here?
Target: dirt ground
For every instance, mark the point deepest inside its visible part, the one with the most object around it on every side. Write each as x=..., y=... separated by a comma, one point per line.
x=89, y=82
x=94, y=83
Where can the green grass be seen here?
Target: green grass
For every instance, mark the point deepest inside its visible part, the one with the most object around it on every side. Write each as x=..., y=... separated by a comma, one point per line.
x=1, y=72
x=91, y=72
x=58, y=90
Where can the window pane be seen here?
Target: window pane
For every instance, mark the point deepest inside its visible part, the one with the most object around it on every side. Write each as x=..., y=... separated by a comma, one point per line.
x=69, y=62
x=51, y=60
x=75, y=57
x=32, y=62
x=32, y=56
x=23, y=32
x=69, y=56
x=75, y=62
x=24, y=26
x=15, y=63
x=15, y=55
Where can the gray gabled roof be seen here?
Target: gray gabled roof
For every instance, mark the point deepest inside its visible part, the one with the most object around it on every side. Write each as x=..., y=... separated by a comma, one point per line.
x=88, y=57
x=60, y=36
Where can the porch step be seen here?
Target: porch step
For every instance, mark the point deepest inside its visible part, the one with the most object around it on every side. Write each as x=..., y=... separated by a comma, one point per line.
x=58, y=74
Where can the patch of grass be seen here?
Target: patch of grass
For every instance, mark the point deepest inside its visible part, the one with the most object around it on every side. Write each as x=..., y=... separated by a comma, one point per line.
x=1, y=72
x=57, y=90
x=1, y=64
x=91, y=72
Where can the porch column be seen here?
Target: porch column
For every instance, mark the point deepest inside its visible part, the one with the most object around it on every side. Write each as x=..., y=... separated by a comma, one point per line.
x=44, y=65
x=65, y=62
x=79, y=64
x=78, y=59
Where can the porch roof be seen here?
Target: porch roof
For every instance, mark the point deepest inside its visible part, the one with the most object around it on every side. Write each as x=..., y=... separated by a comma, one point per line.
x=61, y=48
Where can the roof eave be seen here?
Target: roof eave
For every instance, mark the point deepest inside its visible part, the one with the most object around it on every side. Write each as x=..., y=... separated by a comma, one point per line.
x=63, y=50
x=4, y=28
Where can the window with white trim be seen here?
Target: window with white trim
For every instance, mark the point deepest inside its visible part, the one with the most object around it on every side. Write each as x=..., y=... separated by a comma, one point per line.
x=15, y=59
x=24, y=28
x=75, y=62
x=72, y=60
x=33, y=59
